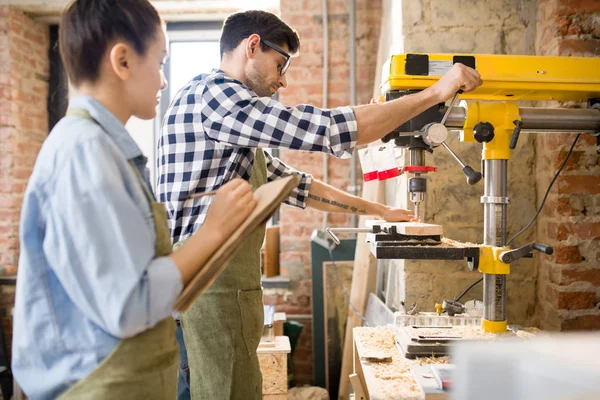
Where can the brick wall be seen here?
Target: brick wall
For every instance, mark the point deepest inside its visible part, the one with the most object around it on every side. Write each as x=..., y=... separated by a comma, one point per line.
x=569, y=281
x=305, y=86
x=24, y=73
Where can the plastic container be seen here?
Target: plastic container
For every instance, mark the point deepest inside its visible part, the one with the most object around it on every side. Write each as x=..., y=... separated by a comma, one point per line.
x=434, y=319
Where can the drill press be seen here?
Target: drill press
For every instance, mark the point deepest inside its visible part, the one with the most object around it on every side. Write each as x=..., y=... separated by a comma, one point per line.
x=420, y=135
x=497, y=126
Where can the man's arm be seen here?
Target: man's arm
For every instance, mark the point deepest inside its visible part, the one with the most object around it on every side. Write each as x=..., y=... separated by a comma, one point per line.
x=377, y=120
x=327, y=198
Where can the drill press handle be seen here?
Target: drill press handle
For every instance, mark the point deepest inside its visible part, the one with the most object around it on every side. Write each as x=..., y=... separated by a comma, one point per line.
x=472, y=176
x=511, y=255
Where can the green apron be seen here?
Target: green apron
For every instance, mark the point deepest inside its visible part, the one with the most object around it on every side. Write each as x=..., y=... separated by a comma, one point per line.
x=144, y=366
x=223, y=327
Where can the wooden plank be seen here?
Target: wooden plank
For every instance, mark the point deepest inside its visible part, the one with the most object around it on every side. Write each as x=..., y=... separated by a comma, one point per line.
x=337, y=281
x=419, y=229
x=359, y=393
x=271, y=261
x=364, y=277
x=282, y=345
x=278, y=320
x=384, y=380
x=409, y=228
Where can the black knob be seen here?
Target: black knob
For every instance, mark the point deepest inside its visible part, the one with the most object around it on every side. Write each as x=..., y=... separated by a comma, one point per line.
x=515, y=136
x=544, y=248
x=484, y=132
x=472, y=176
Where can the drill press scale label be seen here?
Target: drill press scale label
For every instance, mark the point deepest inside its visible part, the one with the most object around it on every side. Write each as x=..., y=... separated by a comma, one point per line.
x=439, y=67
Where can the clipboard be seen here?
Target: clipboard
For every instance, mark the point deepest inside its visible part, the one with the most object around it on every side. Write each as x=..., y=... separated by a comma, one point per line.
x=268, y=197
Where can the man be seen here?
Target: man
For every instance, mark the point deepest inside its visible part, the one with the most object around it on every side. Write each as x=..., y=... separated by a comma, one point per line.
x=214, y=131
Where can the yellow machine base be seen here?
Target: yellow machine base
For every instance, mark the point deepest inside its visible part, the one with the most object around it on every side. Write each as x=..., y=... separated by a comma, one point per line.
x=494, y=326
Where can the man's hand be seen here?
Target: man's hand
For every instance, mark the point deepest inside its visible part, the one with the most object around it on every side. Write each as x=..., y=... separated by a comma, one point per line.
x=396, y=214
x=377, y=120
x=459, y=77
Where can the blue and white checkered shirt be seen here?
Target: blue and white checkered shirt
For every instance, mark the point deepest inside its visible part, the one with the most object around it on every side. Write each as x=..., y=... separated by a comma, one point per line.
x=210, y=134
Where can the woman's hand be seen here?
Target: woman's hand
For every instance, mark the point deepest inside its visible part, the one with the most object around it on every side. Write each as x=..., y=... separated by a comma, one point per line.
x=232, y=204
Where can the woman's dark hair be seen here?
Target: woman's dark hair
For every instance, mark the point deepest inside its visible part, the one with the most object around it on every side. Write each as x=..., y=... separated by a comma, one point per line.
x=241, y=25
x=87, y=27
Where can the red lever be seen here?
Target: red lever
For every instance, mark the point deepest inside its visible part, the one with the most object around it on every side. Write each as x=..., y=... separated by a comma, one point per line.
x=417, y=168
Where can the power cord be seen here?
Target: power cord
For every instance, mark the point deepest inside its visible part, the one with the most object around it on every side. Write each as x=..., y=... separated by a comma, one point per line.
x=339, y=282
x=547, y=191
x=467, y=289
x=536, y=214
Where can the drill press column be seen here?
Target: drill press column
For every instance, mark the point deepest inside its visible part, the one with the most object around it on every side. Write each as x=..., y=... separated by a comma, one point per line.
x=495, y=201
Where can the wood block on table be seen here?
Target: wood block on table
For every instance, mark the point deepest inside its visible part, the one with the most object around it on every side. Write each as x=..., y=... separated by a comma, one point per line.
x=278, y=320
x=409, y=228
x=273, y=366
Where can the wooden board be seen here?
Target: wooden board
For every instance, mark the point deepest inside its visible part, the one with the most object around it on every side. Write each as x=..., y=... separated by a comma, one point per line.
x=278, y=320
x=409, y=228
x=364, y=277
x=387, y=380
x=419, y=229
x=271, y=260
x=335, y=317
x=268, y=197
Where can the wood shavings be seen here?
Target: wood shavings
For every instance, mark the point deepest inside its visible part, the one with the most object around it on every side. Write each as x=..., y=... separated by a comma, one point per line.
x=454, y=243
x=449, y=243
x=528, y=333
x=378, y=356
x=465, y=332
x=389, y=380
x=432, y=360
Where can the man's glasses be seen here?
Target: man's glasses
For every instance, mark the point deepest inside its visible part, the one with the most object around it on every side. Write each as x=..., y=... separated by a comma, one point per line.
x=288, y=58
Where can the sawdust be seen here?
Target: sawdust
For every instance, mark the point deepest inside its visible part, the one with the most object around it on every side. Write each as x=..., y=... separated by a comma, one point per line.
x=446, y=242
x=466, y=332
x=393, y=379
x=453, y=244
x=431, y=360
x=528, y=333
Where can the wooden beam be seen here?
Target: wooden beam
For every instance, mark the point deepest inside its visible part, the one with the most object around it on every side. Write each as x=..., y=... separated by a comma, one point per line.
x=364, y=278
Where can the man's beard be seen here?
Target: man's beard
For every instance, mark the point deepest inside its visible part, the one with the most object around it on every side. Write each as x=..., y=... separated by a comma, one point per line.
x=258, y=84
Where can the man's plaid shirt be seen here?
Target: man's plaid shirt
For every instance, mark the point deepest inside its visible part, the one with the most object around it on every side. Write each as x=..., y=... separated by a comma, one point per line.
x=211, y=131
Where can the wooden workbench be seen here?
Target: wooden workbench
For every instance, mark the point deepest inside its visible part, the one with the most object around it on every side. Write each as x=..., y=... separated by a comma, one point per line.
x=390, y=380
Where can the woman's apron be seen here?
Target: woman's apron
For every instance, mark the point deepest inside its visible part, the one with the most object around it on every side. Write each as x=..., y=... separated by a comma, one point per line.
x=143, y=366
x=223, y=327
